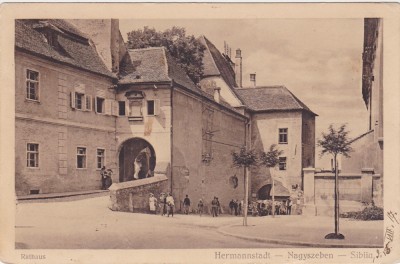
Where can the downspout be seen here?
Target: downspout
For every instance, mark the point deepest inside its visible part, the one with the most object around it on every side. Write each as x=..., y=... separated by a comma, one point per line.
x=171, y=134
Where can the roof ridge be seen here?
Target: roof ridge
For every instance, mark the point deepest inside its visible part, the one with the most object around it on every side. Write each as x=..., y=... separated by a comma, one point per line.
x=148, y=48
x=262, y=87
x=294, y=98
x=166, y=62
x=361, y=136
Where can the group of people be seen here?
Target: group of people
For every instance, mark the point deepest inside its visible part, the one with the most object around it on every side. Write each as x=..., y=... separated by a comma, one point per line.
x=165, y=206
x=235, y=207
x=263, y=208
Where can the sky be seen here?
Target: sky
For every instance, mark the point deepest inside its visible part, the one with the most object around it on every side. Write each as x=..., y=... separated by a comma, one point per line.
x=319, y=60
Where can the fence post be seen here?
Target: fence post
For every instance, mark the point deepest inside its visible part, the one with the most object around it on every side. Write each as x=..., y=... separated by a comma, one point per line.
x=366, y=184
x=309, y=192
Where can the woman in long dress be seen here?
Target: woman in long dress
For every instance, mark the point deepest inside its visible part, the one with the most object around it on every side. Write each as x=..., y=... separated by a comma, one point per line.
x=152, y=204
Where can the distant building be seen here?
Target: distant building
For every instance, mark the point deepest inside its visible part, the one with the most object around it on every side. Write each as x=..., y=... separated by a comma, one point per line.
x=84, y=101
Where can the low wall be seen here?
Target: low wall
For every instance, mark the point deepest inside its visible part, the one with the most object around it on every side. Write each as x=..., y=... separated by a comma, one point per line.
x=355, y=190
x=133, y=196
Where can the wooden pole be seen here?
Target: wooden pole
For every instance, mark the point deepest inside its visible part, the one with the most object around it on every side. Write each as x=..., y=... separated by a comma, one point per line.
x=336, y=198
x=273, y=197
x=246, y=196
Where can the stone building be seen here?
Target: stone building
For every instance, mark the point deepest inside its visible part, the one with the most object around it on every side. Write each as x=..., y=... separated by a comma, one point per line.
x=83, y=101
x=65, y=126
x=367, y=157
x=279, y=118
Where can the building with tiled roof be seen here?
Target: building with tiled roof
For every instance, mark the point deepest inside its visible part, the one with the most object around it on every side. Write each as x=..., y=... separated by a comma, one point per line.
x=219, y=72
x=60, y=42
x=84, y=101
x=270, y=98
x=64, y=109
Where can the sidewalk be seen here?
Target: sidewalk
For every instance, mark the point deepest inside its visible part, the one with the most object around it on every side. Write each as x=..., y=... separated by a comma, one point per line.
x=308, y=231
x=66, y=196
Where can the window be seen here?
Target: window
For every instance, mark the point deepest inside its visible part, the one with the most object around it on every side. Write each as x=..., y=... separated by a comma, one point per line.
x=121, y=108
x=100, y=105
x=150, y=107
x=32, y=155
x=81, y=158
x=283, y=135
x=32, y=85
x=153, y=107
x=100, y=158
x=88, y=103
x=79, y=100
x=282, y=163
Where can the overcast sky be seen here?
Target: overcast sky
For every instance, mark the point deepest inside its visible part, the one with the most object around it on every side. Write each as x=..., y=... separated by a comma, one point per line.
x=319, y=60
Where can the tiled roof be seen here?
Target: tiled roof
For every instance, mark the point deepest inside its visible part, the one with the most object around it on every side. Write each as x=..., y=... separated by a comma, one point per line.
x=270, y=98
x=148, y=65
x=71, y=51
x=155, y=64
x=215, y=64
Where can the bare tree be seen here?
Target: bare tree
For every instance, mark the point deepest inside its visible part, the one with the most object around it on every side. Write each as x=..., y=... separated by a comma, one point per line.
x=245, y=159
x=335, y=142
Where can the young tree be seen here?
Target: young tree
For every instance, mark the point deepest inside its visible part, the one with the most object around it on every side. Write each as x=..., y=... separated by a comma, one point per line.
x=270, y=159
x=245, y=159
x=335, y=142
x=187, y=50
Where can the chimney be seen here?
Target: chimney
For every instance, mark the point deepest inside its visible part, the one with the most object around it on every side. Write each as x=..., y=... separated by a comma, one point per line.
x=238, y=67
x=217, y=94
x=114, y=45
x=253, y=79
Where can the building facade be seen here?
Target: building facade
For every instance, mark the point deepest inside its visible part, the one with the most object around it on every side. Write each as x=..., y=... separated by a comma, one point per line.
x=84, y=101
x=367, y=157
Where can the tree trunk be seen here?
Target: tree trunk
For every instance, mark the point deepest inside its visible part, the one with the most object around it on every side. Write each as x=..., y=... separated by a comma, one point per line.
x=246, y=195
x=336, y=197
x=273, y=197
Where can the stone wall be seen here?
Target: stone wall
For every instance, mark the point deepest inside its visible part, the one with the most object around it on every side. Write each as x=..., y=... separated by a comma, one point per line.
x=133, y=196
x=193, y=118
x=355, y=190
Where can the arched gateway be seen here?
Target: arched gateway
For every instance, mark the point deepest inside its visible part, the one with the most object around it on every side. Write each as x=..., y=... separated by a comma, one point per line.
x=280, y=192
x=137, y=160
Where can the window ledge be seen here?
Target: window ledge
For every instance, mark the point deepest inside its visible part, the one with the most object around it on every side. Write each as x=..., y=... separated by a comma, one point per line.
x=32, y=101
x=135, y=118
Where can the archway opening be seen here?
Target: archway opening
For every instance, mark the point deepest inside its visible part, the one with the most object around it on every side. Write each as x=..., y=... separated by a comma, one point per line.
x=137, y=160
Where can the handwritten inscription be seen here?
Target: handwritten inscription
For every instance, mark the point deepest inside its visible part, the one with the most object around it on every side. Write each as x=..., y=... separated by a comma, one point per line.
x=389, y=235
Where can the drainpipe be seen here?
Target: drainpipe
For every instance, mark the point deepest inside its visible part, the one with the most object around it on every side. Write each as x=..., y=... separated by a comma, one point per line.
x=171, y=133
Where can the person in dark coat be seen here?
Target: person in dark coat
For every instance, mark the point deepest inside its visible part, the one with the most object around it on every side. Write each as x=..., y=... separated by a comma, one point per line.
x=214, y=207
x=103, y=175
x=235, y=206
x=232, y=206
x=186, y=205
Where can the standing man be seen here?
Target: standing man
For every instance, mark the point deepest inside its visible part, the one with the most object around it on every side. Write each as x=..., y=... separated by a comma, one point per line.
x=103, y=175
x=171, y=204
x=214, y=207
x=200, y=207
x=186, y=205
x=289, y=206
x=231, y=206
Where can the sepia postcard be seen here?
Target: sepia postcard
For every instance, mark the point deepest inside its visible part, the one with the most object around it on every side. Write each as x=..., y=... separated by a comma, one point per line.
x=199, y=133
